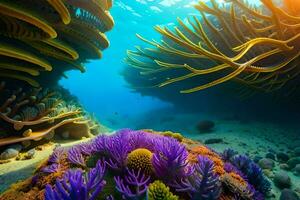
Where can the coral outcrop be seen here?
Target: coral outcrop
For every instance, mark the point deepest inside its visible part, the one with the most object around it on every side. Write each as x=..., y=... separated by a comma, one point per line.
x=99, y=169
x=28, y=115
x=39, y=37
x=253, y=46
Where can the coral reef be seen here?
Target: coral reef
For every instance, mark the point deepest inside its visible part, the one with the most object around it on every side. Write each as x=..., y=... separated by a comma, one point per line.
x=102, y=169
x=29, y=115
x=253, y=46
x=38, y=37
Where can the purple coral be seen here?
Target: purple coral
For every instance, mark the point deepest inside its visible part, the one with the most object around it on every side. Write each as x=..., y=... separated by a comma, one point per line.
x=132, y=186
x=100, y=143
x=204, y=184
x=75, y=156
x=86, y=148
x=169, y=159
x=228, y=167
x=228, y=154
x=57, y=154
x=75, y=186
x=119, y=149
x=253, y=173
x=51, y=168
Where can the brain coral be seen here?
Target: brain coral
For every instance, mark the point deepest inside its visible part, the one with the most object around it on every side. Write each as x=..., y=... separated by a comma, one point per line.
x=140, y=159
x=38, y=37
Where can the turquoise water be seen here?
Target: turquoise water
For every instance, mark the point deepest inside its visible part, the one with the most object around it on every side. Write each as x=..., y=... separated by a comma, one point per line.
x=101, y=89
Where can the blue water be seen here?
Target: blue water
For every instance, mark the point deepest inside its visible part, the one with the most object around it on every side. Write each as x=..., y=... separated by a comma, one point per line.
x=101, y=89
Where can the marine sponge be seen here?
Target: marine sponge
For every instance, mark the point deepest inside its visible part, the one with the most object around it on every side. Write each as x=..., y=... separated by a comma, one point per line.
x=159, y=191
x=140, y=159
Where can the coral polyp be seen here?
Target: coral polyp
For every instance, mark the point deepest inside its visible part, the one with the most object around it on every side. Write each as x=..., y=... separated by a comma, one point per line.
x=97, y=174
x=256, y=46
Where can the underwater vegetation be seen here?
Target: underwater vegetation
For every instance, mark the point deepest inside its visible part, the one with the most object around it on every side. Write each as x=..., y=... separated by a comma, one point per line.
x=28, y=115
x=40, y=40
x=140, y=164
x=255, y=48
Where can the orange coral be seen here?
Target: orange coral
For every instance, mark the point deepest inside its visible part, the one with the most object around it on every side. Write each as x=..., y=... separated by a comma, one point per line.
x=238, y=178
x=204, y=151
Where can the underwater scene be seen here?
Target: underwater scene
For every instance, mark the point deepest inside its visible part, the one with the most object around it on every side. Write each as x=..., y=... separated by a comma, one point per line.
x=149, y=99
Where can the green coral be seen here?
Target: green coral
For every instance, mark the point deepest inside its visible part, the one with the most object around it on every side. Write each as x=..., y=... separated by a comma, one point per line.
x=159, y=191
x=176, y=136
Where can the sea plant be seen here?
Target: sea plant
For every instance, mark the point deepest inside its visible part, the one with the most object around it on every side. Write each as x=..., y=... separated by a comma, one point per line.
x=205, y=184
x=255, y=46
x=134, y=179
x=75, y=185
x=169, y=159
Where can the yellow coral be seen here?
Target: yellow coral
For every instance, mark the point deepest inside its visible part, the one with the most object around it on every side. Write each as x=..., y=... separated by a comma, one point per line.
x=159, y=191
x=33, y=41
x=254, y=46
x=140, y=159
x=176, y=136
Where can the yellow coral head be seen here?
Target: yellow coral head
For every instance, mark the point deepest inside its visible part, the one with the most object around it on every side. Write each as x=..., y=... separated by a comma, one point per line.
x=140, y=159
x=292, y=7
x=159, y=191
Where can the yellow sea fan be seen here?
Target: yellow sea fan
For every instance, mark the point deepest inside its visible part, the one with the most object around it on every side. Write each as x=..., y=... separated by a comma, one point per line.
x=255, y=46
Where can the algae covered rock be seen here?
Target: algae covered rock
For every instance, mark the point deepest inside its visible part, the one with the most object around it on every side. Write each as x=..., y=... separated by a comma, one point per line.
x=9, y=153
x=282, y=180
x=288, y=194
x=205, y=126
x=292, y=162
x=266, y=163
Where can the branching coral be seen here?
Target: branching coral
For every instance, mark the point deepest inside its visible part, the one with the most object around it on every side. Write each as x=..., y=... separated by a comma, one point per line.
x=79, y=172
x=205, y=184
x=75, y=185
x=136, y=180
x=254, y=46
x=169, y=159
x=33, y=114
x=42, y=36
